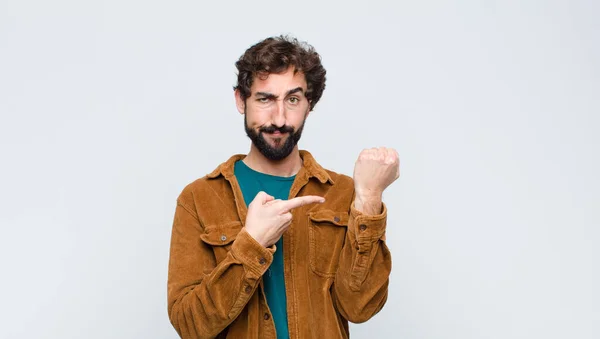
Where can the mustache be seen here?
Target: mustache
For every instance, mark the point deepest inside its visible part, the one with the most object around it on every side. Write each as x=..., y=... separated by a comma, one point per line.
x=273, y=129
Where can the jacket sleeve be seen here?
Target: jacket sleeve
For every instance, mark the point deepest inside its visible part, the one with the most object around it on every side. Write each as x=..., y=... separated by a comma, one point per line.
x=204, y=296
x=361, y=283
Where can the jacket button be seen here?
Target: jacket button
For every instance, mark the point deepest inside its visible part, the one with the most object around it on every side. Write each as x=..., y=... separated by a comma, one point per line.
x=267, y=316
x=336, y=219
x=223, y=237
x=363, y=227
x=248, y=289
x=262, y=261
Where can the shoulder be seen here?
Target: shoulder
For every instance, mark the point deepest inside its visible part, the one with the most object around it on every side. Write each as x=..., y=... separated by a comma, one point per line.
x=341, y=180
x=336, y=179
x=192, y=191
x=210, y=185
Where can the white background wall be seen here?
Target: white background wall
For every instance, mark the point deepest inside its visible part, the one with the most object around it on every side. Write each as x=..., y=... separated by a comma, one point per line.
x=108, y=109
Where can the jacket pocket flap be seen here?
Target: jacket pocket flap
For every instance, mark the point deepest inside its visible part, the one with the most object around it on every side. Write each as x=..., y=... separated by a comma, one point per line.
x=336, y=218
x=221, y=235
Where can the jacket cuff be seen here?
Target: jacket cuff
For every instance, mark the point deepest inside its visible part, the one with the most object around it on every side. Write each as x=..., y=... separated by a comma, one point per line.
x=368, y=226
x=251, y=254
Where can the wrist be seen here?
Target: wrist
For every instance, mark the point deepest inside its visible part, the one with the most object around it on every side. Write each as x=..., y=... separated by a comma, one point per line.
x=256, y=238
x=368, y=204
x=366, y=194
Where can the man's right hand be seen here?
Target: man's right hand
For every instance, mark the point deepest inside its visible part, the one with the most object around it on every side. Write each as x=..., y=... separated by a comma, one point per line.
x=268, y=218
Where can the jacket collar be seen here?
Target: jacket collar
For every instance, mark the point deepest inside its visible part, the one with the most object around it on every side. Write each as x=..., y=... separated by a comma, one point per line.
x=309, y=164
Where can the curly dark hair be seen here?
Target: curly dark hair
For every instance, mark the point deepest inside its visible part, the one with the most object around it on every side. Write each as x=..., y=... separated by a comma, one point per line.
x=276, y=55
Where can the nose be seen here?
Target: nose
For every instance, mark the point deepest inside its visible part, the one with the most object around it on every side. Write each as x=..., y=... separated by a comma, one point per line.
x=278, y=117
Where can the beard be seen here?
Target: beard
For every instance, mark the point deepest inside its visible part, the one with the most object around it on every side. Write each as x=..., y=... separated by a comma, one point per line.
x=282, y=148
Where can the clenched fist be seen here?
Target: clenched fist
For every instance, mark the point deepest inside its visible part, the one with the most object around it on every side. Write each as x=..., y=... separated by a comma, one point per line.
x=268, y=218
x=375, y=170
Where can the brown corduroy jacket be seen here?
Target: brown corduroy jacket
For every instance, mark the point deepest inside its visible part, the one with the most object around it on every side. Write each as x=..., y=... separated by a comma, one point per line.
x=336, y=263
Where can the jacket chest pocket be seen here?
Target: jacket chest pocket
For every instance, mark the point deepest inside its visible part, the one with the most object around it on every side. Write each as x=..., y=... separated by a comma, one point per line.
x=326, y=233
x=221, y=237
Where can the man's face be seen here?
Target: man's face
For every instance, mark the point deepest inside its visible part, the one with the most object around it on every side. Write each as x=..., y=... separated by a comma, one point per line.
x=275, y=112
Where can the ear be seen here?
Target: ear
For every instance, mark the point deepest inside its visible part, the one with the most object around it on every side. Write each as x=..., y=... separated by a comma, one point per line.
x=239, y=102
x=308, y=110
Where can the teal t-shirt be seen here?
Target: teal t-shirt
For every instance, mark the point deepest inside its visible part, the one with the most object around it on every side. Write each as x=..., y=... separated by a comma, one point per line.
x=251, y=182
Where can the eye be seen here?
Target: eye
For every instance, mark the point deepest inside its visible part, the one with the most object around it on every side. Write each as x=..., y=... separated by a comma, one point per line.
x=263, y=100
x=294, y=100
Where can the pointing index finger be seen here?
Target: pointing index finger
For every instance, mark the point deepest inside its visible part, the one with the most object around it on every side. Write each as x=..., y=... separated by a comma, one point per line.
x=288, y=205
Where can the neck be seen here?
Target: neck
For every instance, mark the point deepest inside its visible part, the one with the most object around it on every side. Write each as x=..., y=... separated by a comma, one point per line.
x=286, y=167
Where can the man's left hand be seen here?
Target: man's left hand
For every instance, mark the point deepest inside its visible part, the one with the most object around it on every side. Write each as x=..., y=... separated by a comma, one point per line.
x=374, y=171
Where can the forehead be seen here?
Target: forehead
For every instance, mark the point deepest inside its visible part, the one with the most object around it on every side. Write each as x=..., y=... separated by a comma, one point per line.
x=278, y=83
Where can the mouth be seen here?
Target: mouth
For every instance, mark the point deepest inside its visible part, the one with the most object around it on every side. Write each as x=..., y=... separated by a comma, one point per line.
x=276, y=134
x=276, y=139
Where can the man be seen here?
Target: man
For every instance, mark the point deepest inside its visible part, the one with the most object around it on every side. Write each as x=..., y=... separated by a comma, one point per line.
x=270, y=244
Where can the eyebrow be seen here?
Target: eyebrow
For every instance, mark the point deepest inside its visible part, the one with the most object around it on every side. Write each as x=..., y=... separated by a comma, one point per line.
x=268, y=95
